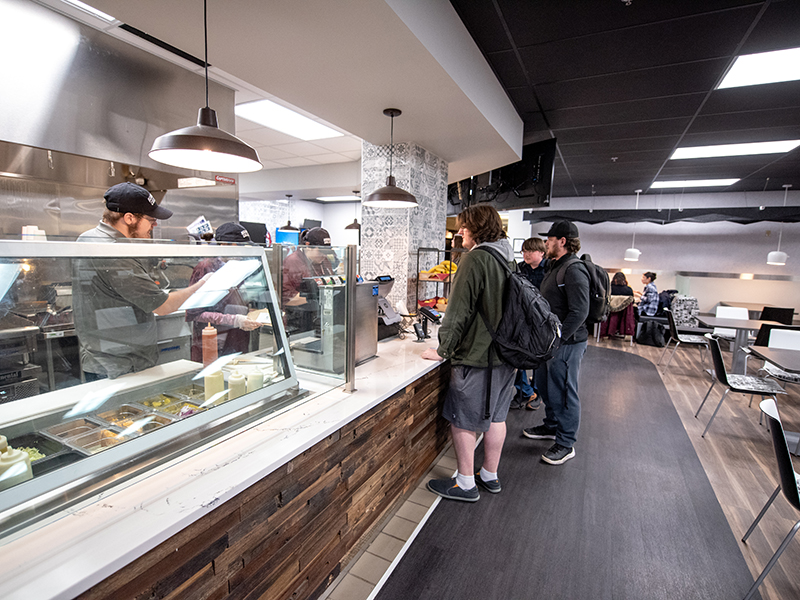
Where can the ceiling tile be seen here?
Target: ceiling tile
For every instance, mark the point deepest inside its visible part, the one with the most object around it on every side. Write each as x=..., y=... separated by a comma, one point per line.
x=329, y=158
x=340, y=144
x=483, y=24
x=302, y=149
x=270, y=153
x=263, y=136
x=296, y=162
x=622, y=112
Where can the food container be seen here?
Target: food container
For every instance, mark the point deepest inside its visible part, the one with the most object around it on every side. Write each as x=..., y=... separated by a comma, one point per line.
x=123, y=416
x=97, y=440
x=72, y=428
x=36, y=442
x=51, y=463
x=181, y=409
x=161, y=401
x=153, y=422
x=192, y=391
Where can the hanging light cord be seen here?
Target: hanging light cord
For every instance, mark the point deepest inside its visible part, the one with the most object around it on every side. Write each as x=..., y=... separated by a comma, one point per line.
x=205, y=39
x=391, y=145
x=780, y=231
x=633, y=244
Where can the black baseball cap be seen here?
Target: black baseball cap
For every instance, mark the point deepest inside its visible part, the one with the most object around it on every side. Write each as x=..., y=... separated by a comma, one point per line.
x=232, y=232
x=562, y=229
x=131, y=198
x=316, y=236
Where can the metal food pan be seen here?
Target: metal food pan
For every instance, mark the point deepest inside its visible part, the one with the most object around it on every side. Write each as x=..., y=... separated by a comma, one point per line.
x=192, y=391
x=96, y=441
x=33, y=440
x=122, y=416
x=174, y=409
x=162, y=401
x=156, y=421
x=56, y=461
x=72, y=428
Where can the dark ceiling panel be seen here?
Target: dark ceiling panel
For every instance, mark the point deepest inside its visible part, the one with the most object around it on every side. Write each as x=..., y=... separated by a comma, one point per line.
x=483, y=24
x=623, y=131
x=754, y=97
x=788, y=118
x=636, y=85
x=706, y=36
x=737, y=136
x=508, y=70
x=614, y=147
x=523, y=99
x=654, y=158
x=777, y=29
x=540, y=21
x=621, y=112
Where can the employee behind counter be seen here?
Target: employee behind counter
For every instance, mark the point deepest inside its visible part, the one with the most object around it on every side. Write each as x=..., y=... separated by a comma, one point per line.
x=299, y=294
x=116, y=300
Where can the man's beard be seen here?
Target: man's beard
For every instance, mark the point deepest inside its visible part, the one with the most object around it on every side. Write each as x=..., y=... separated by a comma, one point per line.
x=134, y=234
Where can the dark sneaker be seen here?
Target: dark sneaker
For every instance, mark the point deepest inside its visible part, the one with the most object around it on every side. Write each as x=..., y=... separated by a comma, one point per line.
x=558, y=454
x=519, y=401
x=533, y=404
x=448, y=488
x=492, y=486
x=540, y=432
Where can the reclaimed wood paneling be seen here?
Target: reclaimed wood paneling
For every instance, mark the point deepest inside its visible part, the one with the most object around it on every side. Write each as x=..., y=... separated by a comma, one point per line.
x=285, y=537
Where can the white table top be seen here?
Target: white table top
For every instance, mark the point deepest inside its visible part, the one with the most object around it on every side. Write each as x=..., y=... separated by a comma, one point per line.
x=66, y=555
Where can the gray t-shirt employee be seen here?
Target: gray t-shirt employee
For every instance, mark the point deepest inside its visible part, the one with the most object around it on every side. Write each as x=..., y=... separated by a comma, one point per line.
x=116, y=300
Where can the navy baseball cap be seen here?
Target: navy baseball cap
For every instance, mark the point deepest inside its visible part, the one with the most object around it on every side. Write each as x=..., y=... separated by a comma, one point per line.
x=316, y=236
x=131, y=198
x=562, y=229
x=232, y=232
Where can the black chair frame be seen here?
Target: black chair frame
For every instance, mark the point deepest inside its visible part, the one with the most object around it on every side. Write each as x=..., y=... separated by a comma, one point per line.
x=675, y=336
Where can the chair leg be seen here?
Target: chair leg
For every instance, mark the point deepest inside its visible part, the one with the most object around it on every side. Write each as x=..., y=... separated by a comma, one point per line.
x=773, y=560
x=713, y=383
x=762, y=513
x=751, y=401
x=664, y=352
x=716, y=410
x=671, y=356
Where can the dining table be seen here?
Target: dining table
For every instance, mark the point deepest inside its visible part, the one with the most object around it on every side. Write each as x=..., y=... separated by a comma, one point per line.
x=789, y=361
x=742, y=327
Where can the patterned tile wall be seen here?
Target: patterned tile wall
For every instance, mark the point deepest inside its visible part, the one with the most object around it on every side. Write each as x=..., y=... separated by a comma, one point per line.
x=390, y=237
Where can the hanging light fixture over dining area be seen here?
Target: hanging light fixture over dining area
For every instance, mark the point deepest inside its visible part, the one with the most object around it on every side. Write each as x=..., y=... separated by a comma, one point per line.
x=391, y=196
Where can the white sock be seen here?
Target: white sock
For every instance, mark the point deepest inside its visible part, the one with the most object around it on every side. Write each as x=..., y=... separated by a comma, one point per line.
x=465, y=482
x=486, y=476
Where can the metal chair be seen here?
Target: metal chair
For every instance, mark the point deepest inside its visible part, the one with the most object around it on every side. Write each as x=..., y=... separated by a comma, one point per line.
x=742, y=384
x=789, y=484
x=692, y=340
x=781, y=315
x=786, y=339
x=729, y=312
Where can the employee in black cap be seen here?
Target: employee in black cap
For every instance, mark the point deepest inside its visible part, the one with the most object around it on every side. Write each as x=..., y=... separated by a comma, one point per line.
x=229, y=315
x=116, y=300
x=566, y=288
x=299, y=293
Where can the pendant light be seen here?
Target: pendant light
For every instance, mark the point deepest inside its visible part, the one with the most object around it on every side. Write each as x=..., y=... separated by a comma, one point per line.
x=632, y=254
x=777, y=257
x=289, y=226
x=391, y=196
x=353, y=231
x=205, y=147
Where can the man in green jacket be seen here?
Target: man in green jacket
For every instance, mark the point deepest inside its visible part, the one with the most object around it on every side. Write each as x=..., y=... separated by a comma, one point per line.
x=463, y=338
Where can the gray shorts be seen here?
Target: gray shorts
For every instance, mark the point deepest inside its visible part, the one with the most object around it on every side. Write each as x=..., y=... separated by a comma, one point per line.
x=465, y=401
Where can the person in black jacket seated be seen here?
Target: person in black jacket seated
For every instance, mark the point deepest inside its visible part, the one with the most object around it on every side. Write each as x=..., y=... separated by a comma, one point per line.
x=566, y=288
x=533, y=266
x=619, y=285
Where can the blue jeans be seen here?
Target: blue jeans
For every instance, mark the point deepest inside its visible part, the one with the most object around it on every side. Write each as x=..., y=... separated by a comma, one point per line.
x=523, y=385
x=557, y=381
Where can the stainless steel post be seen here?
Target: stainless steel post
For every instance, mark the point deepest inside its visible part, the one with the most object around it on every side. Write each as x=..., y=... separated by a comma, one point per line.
x=350, y=319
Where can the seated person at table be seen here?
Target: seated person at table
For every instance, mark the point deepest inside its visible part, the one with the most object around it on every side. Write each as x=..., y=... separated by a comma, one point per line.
x=619, y=285
x=229, y=315
x=648, y=298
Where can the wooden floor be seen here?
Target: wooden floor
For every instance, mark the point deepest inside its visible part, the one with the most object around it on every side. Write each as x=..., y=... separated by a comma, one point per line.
x=738, y=458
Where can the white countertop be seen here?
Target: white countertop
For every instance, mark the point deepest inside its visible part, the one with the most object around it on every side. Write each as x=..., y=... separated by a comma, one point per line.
x=64, y=556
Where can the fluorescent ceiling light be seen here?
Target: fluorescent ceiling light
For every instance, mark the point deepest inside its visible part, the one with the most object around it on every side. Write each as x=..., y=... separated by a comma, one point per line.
x=735, y=149
x=192, y=182
x=90, y=9
x=280, y=118
x=693, y=183
x=765, y=67
x=337, y=198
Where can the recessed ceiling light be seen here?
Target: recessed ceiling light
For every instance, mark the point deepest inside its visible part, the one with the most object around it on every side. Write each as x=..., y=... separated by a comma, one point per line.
x=285, y=120
x=735, y=149
x=765, y=67
x=693, y=183
x=337, y=198
x=90, y=9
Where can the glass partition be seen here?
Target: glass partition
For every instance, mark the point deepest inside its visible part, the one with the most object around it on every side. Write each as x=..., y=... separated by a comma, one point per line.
x=116, y=357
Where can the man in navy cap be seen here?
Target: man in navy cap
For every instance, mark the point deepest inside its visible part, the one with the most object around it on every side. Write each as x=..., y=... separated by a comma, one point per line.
x=566, y=288
x=116, y=300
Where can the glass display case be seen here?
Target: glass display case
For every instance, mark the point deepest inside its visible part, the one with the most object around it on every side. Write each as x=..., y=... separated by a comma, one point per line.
x=165, y=347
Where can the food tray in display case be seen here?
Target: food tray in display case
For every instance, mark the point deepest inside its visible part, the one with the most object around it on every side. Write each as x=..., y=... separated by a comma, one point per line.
x=108, y=431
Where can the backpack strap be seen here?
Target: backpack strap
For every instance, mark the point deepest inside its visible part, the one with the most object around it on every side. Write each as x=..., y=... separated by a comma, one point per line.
x=562, y=272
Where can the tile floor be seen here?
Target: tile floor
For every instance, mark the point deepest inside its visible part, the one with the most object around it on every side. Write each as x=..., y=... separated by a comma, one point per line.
x=359, y=579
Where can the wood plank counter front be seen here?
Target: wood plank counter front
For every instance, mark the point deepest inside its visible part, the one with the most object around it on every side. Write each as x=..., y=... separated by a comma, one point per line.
x=286, y=535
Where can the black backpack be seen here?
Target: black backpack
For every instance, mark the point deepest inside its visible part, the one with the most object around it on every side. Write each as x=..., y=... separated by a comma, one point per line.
x=652, y=334
x=528, y=333
x=599, y=288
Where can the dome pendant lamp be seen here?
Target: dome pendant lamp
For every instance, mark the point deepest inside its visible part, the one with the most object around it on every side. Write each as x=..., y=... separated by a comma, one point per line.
x=391, y=196
x=205, y=147
x=777, y=257
x=632, y=254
